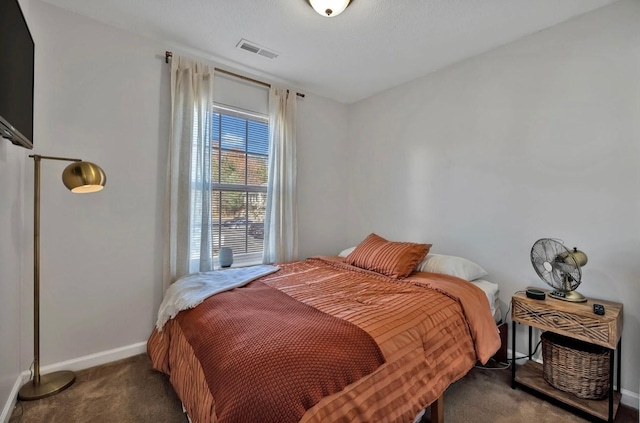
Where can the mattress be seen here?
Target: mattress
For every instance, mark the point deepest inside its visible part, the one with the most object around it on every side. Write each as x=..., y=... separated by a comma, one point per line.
x=492, y=291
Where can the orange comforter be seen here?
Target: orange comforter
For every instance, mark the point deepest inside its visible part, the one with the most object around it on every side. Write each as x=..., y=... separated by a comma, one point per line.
x=430, y=328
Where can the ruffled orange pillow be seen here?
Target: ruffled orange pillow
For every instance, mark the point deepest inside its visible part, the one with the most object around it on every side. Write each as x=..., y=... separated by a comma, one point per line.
x=394, y=259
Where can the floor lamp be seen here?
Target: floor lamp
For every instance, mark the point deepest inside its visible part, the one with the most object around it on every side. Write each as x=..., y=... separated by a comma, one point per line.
x=80, y=177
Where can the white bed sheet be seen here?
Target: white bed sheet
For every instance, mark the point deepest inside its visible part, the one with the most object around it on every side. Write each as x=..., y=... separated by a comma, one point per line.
x=492, y=291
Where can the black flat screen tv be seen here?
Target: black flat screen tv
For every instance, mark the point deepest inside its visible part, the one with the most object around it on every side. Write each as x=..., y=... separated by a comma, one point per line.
x=16, y=75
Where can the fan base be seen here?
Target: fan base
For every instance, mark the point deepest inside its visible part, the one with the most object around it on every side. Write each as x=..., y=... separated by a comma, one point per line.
x=572, y=296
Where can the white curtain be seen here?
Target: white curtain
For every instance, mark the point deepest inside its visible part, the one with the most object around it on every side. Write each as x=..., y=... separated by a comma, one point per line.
x=188, y=192
x=281, y=219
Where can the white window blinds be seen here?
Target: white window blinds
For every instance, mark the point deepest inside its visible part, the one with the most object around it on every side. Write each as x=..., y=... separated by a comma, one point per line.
x=239, y=166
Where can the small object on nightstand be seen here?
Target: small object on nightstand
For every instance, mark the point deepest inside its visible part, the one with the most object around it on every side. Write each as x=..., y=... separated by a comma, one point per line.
x=598, y=309
x=536, y=294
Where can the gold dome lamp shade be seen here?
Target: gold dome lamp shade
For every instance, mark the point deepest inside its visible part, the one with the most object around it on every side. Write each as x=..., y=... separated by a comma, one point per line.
x=84, y=177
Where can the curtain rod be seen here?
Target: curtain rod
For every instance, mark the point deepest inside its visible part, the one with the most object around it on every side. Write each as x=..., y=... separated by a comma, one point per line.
x=169, y=55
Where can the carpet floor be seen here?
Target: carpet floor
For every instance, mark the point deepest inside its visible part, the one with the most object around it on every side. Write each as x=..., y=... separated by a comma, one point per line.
x=130, y=391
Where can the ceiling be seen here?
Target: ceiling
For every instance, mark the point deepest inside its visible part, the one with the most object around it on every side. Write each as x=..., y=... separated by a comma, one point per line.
x=372, y=46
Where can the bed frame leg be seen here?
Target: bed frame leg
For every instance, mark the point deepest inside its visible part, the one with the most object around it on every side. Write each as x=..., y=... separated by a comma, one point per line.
x=437, y=411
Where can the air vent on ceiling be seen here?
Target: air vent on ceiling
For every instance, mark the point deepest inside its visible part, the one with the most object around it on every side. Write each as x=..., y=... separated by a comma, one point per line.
x=254, y=48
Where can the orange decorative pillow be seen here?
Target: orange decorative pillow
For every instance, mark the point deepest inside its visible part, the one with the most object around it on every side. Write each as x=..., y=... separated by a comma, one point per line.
x=395, y=259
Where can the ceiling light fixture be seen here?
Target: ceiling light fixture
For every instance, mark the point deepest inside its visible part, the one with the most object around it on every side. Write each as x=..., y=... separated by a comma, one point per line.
x=329, y=8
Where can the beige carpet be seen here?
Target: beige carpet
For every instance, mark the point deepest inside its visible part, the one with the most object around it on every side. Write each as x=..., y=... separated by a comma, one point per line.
x=126, y=391
x=129, y=391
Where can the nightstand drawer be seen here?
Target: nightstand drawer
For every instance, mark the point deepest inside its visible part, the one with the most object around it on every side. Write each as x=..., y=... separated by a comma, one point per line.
x=596, y=329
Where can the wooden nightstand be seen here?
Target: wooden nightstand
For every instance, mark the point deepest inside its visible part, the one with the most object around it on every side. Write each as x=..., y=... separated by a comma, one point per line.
x=578, y=321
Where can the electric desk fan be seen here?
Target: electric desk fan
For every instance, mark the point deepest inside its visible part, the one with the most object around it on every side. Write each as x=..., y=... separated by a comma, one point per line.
x=559, y=267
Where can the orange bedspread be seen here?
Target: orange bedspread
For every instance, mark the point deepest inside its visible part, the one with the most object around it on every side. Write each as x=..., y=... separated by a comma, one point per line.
x=431, y=330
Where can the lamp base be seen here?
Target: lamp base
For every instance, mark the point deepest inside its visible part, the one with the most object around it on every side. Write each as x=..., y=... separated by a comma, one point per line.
x=49, y=385
x=572, y=296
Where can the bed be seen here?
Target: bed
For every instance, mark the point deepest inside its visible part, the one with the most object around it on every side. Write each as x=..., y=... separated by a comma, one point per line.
x=428, y=331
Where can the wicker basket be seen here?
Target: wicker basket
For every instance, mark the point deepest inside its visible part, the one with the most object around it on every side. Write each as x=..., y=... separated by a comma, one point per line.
x=575, y=366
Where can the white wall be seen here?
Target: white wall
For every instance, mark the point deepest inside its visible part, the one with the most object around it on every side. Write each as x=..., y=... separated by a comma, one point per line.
x=539, y=138
x=102, y=94
x=323, y=166
x=11, y=245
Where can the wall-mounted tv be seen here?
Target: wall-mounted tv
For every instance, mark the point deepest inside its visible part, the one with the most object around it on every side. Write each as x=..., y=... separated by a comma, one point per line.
x=16, y=75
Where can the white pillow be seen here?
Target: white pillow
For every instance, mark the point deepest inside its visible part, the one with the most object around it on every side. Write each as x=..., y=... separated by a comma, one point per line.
x=451, y=265
x=346, y=252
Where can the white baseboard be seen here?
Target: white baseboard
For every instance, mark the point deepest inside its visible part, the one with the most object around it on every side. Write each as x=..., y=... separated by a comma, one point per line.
x=629, y=398
x=11, y=401
x=92, y=360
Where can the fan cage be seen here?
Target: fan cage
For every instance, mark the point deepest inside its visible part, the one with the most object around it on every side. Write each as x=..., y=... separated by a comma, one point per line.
x=549, y=259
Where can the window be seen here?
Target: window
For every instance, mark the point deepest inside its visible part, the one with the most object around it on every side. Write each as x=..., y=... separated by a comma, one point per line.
x=239, y=166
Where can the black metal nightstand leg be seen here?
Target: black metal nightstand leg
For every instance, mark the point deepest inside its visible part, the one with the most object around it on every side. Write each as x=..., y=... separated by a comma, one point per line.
x=513, y=355
x=530, y=342
x=619, y=364
x=611, y=400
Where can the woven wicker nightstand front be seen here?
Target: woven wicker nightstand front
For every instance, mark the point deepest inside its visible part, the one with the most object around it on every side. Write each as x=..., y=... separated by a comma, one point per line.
x=577, y=321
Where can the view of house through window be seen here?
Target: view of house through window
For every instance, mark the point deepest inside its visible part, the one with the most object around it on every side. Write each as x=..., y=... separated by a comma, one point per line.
x=240, y=147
